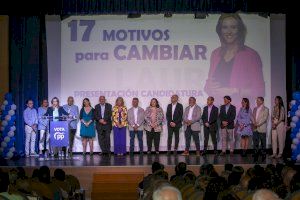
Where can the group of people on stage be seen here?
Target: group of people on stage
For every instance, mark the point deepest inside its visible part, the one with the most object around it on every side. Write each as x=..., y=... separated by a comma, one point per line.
x=105, y=117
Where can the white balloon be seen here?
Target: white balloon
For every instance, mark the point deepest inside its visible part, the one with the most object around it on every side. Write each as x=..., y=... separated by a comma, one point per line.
x=5, y=102
x=7, y=139
x=9, y=154
x=295, y=119
x=13, y=128
x=293, y=124
x=11, y=112
x=298, y=157
x=4, y=123
x=11, y=134
x=2, y=107
x=13, y=107
x=3, y=144
x=297, y=113
x=293, y=102
x=12, y=149
x=7, y=117
x=293, y=146
x=296, y=141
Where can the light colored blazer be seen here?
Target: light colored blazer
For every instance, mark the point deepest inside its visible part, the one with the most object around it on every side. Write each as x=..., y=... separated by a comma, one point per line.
x=140, y=118
x=196, y=116
x=262, y=119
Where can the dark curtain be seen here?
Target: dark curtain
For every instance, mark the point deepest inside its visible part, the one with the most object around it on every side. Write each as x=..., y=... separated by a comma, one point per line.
x=28, y=66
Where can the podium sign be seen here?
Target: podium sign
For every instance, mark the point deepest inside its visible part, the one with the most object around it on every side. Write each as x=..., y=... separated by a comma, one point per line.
x=59, y=134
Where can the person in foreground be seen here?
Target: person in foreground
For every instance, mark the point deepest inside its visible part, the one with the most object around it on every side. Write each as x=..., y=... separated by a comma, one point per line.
x=167, y=192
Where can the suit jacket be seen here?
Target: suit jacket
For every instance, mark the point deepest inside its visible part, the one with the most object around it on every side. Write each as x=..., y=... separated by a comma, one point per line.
x=262, y=119
x=196, y=116
x=106, y=117
x=177, y=117
x=140, y=118
x=213, y=118
x=229, y=116
x=61, y=112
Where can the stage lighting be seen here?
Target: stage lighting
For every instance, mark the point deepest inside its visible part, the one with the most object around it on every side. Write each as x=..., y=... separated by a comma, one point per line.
x=134, y=15
x=200, y=15
x=168, y=14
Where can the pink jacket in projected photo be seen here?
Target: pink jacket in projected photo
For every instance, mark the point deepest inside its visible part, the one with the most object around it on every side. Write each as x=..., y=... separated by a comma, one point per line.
x=246, y=72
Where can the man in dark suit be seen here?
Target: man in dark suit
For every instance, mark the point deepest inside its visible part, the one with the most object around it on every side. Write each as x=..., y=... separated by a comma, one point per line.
x=102, y=114
x=227, y=116
x=174, y=117
x=210, y=118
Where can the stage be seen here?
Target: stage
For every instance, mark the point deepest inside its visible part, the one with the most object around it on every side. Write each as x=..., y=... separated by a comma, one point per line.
x=85, y=168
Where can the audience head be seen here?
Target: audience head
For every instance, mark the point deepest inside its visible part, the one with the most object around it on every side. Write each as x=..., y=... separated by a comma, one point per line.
x=265, y=194
x=35, y=173
x=4, y=182
x=181, y=168
x=135, y=102
x=44, y=174
x=156, y=166
x=228, y=167
x=70, y=100
x=59, y=174
x=214, y=187
x=21, y=173
x=295, y=183
x=167, y=192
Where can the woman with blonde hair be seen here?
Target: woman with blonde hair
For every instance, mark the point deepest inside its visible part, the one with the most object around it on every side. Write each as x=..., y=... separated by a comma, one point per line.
x=119, y=116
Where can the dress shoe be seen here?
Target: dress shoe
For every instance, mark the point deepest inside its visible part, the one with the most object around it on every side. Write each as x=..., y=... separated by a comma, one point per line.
x=185, y=153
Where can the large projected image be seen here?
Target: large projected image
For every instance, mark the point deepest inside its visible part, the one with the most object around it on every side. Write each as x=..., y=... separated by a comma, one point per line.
x=156, y=57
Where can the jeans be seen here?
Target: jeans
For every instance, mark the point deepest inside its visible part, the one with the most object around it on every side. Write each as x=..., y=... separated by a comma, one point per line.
x=140, y=138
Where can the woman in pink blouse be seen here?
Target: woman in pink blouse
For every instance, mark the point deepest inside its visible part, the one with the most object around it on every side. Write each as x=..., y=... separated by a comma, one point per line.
x=235, y=69
x=154, y=118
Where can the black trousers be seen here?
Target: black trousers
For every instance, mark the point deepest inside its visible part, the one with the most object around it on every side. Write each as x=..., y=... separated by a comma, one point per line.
x=151, y=135
x=72, y=134
x=213, y=135
x=190, y=133
x=104, y=140
x=172, y=130
x=259, y=138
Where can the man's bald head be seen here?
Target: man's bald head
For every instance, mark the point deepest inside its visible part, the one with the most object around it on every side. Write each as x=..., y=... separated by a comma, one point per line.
x=265, y=194
x=167, y=193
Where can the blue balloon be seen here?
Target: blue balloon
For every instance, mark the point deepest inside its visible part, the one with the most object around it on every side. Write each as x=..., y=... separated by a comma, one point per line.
x=13, y=118
x=294, y=109
x=296, y=95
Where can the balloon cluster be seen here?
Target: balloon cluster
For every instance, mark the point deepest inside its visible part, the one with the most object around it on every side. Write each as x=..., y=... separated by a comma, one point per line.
x=295, y=125
x=8, y=128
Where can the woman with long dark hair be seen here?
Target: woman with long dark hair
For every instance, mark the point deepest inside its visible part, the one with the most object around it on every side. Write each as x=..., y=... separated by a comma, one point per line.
x=87, y=128
x=278, y=127
x=244, y=122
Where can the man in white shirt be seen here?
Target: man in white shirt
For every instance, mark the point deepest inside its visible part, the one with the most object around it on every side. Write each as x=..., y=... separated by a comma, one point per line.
x=192, y=127
x=136, y=116
x=261, y=115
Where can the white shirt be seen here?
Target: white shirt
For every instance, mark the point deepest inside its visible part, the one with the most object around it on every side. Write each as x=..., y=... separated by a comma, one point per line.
x=190, y=115
x=173, y=109
x=135, y=113
x=258, y=111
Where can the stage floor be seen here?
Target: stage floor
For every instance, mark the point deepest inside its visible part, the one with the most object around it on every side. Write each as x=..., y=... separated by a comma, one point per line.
x=78, y=160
